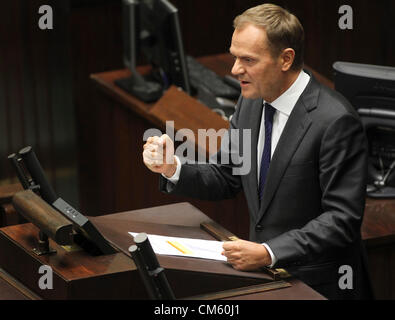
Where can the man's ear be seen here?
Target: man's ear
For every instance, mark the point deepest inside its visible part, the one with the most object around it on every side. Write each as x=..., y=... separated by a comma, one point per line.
x=287, y=58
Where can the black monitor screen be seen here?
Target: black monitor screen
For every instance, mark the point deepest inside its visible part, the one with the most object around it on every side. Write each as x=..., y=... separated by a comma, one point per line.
x=371, y=90
x=151, y=28
x=161, y=41
x=367, y=87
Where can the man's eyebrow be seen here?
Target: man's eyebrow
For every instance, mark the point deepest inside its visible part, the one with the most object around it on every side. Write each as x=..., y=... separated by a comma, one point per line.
x=233, y=53
x=244, y=56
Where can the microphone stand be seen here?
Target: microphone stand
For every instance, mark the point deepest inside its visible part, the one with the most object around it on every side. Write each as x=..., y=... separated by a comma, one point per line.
x=151, y=272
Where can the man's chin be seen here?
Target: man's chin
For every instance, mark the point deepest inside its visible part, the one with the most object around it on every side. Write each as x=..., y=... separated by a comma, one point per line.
x=250, y=95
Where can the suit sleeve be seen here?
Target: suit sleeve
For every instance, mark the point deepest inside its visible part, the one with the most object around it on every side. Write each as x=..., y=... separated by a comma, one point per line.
x=211, y=181
x=342, y=174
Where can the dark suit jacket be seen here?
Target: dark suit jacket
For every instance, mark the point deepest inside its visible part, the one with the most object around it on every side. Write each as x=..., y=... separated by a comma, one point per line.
x=314, y=196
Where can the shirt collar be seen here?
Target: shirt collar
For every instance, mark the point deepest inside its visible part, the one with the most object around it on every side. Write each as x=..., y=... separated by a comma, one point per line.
x=287, y=101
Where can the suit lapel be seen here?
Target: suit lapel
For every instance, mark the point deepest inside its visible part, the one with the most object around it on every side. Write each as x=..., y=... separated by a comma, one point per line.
x=297, y=125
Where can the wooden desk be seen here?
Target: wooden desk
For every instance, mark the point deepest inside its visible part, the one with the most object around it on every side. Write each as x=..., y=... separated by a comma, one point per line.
x=8, y=292
x=79, y=276
x=378, y=233
x=12, y=289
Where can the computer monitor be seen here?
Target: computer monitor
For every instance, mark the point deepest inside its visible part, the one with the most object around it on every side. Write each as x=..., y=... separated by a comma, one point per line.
x=152, y=28
x=371, y=90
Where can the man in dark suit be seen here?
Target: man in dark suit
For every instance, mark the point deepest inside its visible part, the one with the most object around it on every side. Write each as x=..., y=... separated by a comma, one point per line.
x=306, y=187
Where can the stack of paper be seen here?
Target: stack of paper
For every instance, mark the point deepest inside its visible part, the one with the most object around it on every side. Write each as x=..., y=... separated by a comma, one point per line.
x=186, y=247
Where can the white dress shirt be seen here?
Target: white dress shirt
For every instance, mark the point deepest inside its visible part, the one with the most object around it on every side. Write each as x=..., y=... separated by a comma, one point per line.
x=284, y=105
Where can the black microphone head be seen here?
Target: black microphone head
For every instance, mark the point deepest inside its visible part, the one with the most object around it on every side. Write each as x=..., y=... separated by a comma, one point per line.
x=33, y=166
x=140, y=238
x=25, y=150
x=149, y=256
x=132, y=249
x=15, y=161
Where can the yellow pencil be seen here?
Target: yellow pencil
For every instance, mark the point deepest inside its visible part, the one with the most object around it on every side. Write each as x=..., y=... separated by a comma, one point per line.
x=179, y=247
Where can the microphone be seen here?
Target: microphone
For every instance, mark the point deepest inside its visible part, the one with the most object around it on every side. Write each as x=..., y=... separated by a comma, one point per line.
x=88, y=236
x=42, y=215
x=149, y=283
x=15, y=161
x=37, y=174
x=152, y=273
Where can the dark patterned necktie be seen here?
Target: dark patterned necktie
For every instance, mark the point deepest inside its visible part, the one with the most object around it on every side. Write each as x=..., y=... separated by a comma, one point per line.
x=267, y=150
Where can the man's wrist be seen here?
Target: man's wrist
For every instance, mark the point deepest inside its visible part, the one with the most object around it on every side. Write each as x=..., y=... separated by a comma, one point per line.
x=171, y=171
x=271, y=256
x=175, y=177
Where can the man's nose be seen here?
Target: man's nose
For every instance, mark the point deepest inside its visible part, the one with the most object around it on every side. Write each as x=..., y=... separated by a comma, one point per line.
x=237, y=68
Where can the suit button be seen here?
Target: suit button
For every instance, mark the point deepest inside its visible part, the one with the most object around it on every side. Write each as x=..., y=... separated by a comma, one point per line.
x=259, y=228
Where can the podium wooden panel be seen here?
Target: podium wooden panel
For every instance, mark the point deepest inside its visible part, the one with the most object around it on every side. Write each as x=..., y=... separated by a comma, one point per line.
x=10, y=289
x=77, y=275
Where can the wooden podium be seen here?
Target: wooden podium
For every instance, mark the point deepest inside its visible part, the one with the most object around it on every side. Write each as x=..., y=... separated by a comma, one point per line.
x=76, y=275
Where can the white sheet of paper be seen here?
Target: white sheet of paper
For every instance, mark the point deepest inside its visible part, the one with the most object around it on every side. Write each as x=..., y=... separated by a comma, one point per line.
x=195, y=248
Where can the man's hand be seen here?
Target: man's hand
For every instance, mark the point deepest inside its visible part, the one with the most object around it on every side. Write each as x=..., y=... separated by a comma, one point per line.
x=245, y=255
x=158, y=155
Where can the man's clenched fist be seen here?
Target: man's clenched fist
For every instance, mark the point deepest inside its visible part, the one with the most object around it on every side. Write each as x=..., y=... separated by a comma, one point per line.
x=246, y=255
x=158, y=155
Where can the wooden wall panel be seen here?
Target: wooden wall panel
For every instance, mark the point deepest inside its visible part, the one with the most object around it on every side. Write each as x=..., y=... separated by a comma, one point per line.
x=207, y=28
x=95, y=31
x=35, y=93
